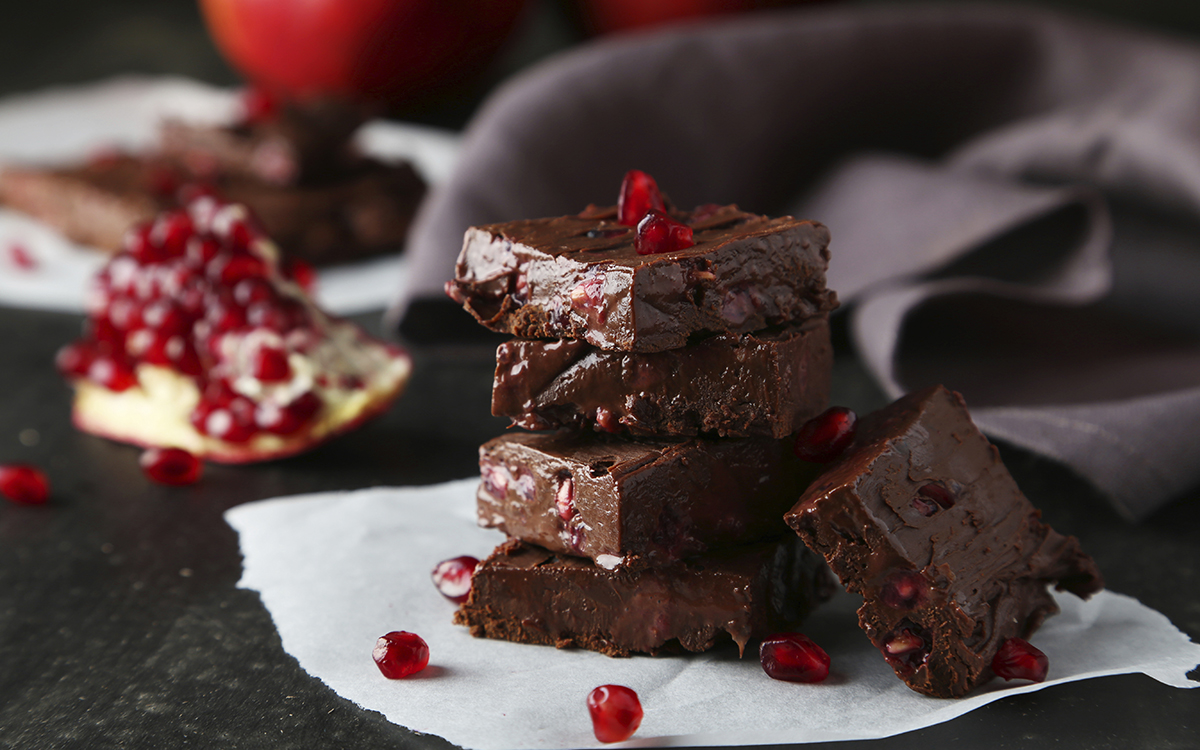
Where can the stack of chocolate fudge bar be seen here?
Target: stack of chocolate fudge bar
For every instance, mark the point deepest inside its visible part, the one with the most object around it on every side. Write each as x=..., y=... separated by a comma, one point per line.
x=661, y=381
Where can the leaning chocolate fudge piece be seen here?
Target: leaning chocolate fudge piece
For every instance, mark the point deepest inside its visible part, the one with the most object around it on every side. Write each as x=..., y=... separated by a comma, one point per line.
x=528, y=594
x=295, y=143
x=632, y=503
x=767, y=383
x=581, y=277
x=920, y=517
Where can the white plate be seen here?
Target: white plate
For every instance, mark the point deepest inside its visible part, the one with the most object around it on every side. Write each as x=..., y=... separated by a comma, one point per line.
x=68, y=124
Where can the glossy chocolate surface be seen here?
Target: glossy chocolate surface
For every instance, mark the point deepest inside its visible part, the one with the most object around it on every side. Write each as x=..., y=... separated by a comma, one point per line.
x=579, y=277
x=528, y=594
x=921, y=517
x=365, y=212
x=633, y=503
x=732, y=385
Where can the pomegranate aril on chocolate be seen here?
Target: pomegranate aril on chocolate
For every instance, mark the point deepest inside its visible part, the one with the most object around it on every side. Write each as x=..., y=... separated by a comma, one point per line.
x=824, y=437
x=216, y=349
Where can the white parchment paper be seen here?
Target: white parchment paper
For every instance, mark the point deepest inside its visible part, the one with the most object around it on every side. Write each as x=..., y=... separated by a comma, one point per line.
x=338, y=570
x=66, y=125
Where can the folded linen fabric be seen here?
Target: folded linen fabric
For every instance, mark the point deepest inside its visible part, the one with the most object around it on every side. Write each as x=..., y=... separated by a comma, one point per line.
x=1014, y=198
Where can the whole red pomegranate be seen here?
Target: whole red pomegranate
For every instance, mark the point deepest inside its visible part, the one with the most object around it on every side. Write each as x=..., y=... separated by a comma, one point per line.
x=391, y=51
x=604, y=16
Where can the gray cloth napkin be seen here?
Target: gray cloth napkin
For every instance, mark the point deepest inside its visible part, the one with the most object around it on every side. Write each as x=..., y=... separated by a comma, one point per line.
x=1014, y=198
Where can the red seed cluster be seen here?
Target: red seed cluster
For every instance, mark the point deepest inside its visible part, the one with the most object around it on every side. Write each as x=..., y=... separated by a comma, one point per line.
x=184, y=284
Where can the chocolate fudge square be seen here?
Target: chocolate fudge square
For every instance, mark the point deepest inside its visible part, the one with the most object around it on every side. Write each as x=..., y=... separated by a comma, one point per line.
x=579, y=277
x=93, y=203
x=634, y=503
x=528, y=594
x=766, y=383
x=921, y=517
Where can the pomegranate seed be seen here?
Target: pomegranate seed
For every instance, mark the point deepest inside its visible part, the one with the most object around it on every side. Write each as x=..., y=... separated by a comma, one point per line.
x=170, y=466
x=453, y=577
x=793, y=657
x=171, y=232
x=1017, y=659
x=905, y=589
x=231, y=269
x=257, y=105
x=495, y=480
x=564, y=498
x=616, y=712
x=112, y=373
x=824, y=437
x=938, y=494
x=74, y=360
x=659, y=233
x=907, y=647
x=201, y=250
x=400, y=653
x=253, y=289
x=24, y=484
x=303, y=273
x=639, y=195
x=271, y=365
x=139, y=243
x=21, y=257
x=289, y=418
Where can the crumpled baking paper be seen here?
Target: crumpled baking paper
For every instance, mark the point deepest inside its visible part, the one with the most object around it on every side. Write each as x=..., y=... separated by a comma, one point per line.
x=40, y=269
x=338, y=570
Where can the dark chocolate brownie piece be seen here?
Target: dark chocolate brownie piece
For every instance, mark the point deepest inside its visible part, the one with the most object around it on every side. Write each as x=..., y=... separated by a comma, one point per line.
x=921, y=517
x=632, y=503
x=366, y=212
x=767, y=383
x=94, y=203
x=580, y=277
x=528, y=594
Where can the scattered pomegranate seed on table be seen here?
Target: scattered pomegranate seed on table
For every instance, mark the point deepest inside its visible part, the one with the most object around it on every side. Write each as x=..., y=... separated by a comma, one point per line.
x=24, y=484
x=21, y=257
x=639, y=195
x=659, y=233
x=824, y=437
x=170, y=466
x=400, y=653
x=793, y=657
x=616, y=712
x=1017, y=659
x=453, y=577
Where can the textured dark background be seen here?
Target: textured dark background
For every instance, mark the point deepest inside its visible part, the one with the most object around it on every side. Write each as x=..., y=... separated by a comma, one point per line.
x=120, y=623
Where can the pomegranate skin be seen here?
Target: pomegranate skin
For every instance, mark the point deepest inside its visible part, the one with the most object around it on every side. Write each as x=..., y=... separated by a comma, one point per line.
x=390, y=51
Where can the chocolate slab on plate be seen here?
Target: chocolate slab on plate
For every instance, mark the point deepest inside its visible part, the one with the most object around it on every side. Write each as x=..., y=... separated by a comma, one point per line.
x=921, y=517
x=632, y=503
x=528, y=594
x=766, y=383
x=580, y=277
x=93, y=203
